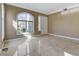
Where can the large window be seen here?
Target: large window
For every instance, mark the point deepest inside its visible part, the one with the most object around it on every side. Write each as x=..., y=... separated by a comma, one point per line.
x=25, y=23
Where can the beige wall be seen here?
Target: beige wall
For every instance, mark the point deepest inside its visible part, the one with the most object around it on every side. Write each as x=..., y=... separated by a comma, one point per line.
x=64, y=23
x=10, y=16
x=0, y=25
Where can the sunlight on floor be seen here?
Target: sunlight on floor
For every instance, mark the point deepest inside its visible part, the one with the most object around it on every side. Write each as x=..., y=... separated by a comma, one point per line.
x=25, y=46
x=67, y=54
x=28, y=40
x=39, y=43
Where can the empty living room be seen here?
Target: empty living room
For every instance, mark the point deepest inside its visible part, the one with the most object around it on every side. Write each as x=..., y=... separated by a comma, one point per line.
x=39, y=29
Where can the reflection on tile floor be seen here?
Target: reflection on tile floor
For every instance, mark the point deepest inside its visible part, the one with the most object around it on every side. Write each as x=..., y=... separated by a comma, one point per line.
x=46, y=45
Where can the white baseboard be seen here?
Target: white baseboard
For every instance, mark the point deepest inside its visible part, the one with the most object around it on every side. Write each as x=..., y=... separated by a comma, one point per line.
x=64, y=36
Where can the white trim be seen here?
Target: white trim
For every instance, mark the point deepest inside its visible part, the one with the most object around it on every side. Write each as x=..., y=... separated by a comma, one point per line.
x=56, y=11
x=64, y=36
x=3, y=29
x=46, y=13
x=60, y=10
x=33, y=24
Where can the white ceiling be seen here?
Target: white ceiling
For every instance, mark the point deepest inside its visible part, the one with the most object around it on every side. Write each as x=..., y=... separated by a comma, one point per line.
x=45, y=8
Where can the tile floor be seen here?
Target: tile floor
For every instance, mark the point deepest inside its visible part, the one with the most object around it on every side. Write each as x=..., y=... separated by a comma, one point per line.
x=41, y=45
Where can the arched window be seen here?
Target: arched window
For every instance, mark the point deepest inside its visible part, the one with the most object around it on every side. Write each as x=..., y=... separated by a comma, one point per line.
x=25, y=23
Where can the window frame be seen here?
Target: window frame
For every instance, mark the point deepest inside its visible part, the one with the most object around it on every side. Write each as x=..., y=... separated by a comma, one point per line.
x=24, y=21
